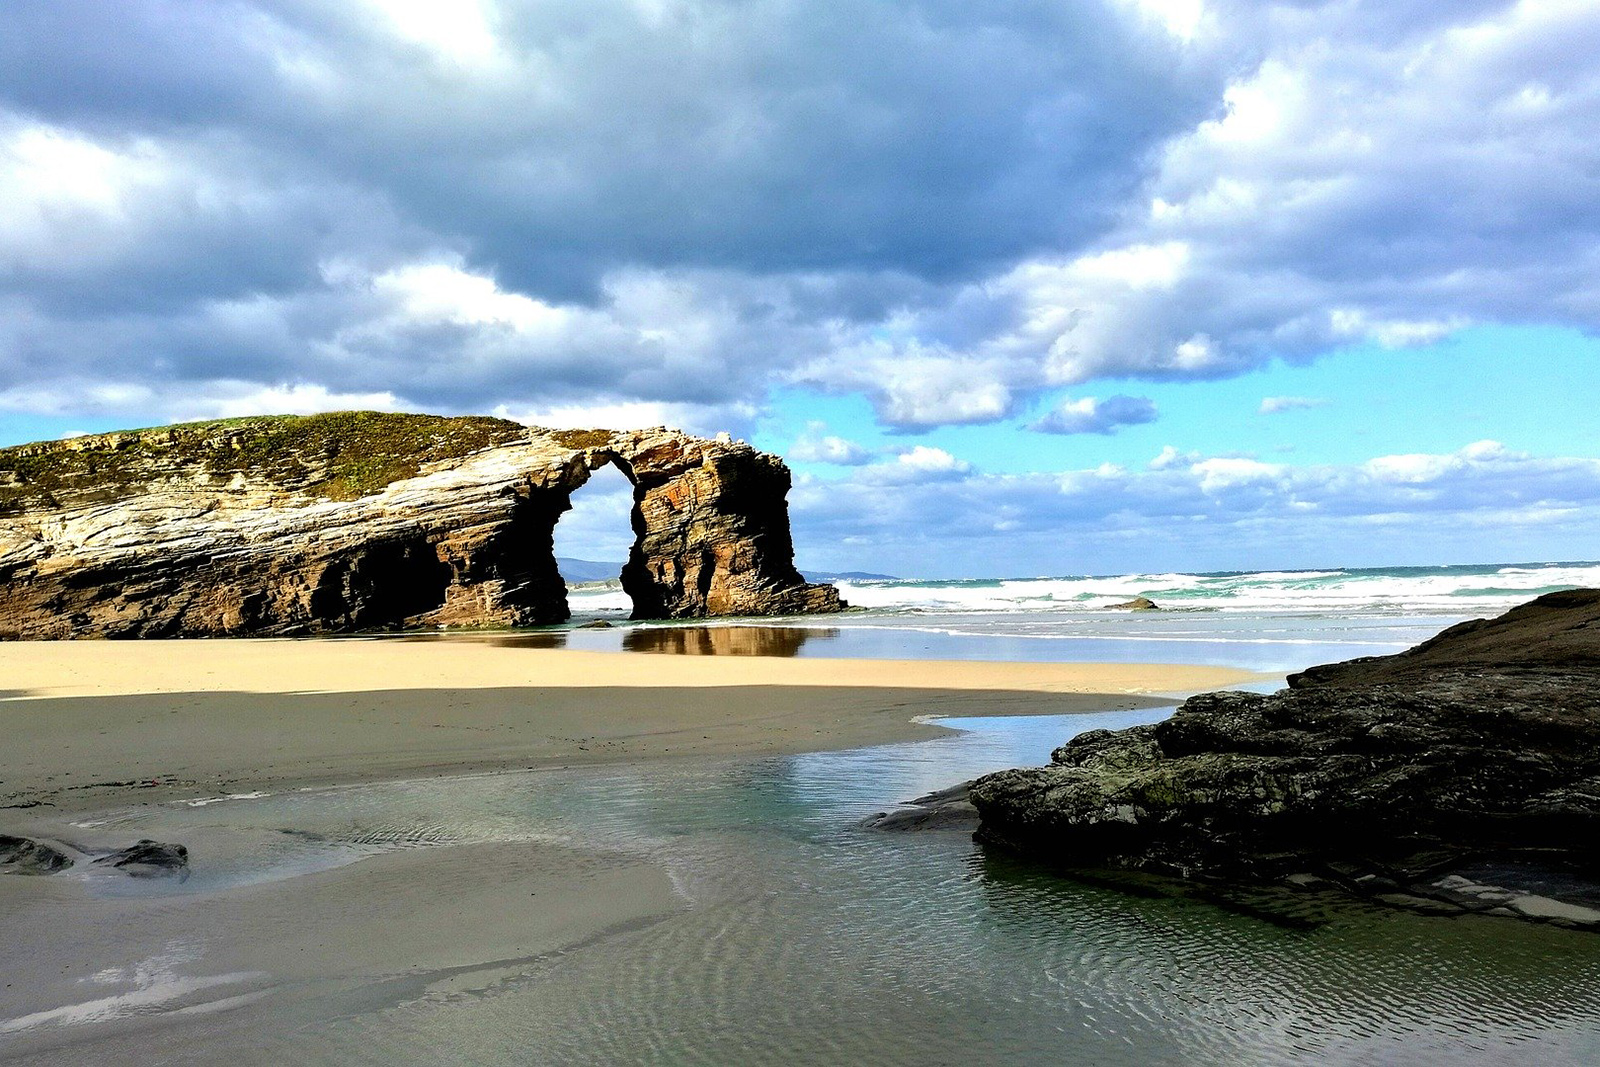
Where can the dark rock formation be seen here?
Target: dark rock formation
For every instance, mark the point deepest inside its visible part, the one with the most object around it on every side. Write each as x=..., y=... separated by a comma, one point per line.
x=364, y=520
x=1464, y=773
x=21, y=855
x=1138, y=603
x=149, y=859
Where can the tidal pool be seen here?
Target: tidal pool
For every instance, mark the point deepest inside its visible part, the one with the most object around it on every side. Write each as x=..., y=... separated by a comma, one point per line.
x=805, y=939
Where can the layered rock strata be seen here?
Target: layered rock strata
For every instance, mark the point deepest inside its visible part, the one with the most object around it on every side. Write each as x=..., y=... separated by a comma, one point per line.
x=1461, y=775
x=364, y=521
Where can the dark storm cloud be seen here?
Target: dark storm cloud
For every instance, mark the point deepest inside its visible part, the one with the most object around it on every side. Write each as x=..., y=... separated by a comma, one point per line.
x=934, y=138
x=799, y=166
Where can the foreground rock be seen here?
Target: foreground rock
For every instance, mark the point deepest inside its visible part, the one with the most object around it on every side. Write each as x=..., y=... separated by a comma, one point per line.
x=365, y=520
x=1461, y=775
x=22, y=855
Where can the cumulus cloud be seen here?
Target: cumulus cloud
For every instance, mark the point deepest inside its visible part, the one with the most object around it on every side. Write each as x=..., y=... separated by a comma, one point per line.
x=1093, y=415
x=1370, y=177
x=217, y=399
x=633, y=415
x=921, y=464
x=1214, y=512
x=816, y=445
x=1170, y=457
x=1273, y=405
x=926, y=460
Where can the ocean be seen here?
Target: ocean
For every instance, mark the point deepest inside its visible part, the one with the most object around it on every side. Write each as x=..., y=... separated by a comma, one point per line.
x=1269, y=621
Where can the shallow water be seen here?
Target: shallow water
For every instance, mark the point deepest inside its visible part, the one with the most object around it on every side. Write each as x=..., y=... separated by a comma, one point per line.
x=1196, y=638
x=807, y=939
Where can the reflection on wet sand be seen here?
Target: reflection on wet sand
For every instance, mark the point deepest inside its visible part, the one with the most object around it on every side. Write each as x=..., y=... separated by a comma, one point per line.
x=781, y=641
x=543, y=639
x=724, y=640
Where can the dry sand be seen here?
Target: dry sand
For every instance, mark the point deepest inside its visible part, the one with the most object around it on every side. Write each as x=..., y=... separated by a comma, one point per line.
x=86, y=719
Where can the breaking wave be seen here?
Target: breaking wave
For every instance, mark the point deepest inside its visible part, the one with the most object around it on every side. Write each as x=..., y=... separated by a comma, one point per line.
x=1401, y=590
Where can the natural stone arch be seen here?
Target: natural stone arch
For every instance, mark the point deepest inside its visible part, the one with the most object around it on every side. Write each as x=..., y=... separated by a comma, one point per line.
x=364, y=520
x=711, y=528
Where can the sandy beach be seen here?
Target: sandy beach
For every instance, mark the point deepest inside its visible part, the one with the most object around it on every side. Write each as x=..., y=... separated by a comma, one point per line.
x=89, y=719
x=103, y=736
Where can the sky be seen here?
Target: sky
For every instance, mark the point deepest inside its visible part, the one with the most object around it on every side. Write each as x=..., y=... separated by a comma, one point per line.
x=1018, y=288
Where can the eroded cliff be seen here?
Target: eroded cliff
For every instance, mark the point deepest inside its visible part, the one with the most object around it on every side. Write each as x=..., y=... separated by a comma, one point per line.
x=365, y=520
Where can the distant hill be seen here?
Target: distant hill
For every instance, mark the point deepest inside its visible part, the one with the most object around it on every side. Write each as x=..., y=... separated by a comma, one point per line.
x=845, y=576
x=587, y=570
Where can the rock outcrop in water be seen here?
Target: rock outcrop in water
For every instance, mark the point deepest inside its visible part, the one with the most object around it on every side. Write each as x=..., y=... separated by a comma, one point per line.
x=1462, y=774
x=365, y=520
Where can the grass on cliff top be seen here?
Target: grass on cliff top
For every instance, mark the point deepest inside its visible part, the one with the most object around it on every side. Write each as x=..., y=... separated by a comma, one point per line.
x=581, y=438
x=340, y=455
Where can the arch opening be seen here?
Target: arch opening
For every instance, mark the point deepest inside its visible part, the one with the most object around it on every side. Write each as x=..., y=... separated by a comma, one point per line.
x=592, y=542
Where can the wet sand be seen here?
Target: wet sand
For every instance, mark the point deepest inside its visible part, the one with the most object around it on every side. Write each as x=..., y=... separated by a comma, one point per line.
x=386, y=930
x=88, y=722
x=98, y=726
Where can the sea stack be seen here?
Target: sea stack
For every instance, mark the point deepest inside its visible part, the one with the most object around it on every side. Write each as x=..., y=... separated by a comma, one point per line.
x=357, y=521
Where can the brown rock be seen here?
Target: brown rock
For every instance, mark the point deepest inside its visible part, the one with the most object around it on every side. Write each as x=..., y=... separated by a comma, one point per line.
x=364, y=520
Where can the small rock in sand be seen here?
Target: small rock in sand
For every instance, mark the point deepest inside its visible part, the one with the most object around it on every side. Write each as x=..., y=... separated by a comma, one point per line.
x=149, y=859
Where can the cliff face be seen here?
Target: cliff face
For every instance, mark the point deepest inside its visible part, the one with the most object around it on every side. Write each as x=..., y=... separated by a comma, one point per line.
x=364, y=520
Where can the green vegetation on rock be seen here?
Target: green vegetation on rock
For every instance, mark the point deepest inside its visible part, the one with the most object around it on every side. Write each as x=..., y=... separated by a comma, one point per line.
x=340, y=455
x=581, y=438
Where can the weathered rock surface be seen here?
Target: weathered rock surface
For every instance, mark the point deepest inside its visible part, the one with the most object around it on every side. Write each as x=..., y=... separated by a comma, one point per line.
x=1138, y=603
x=365, y=520
x=1464, y=773
x=22, y=855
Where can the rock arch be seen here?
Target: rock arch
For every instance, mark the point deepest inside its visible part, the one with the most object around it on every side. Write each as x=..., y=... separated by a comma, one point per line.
x=362, y=520
x=711, y=529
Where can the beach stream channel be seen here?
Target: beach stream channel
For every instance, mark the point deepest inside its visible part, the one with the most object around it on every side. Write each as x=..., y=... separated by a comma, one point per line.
x=791, y=934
